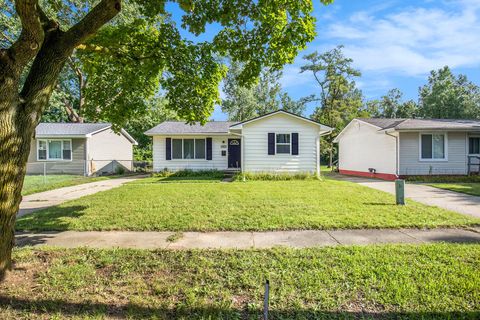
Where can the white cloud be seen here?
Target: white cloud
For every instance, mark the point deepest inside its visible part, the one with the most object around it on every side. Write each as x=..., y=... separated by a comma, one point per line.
x=292, y=77
x=412, y=41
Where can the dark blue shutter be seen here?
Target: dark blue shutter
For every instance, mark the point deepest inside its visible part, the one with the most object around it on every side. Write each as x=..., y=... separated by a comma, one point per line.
x=271, y=143
x=295, y=143
x=209, y=148
x=168, y=148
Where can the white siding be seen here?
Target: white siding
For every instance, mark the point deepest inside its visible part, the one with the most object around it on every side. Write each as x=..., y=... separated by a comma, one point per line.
x=218, y=161
x=255, y=153
x=107, y=149
x=410, y=163
x=362, y=147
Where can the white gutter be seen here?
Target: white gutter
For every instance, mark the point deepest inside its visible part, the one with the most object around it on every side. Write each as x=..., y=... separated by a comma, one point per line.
x=317, y=142
x=397, y=153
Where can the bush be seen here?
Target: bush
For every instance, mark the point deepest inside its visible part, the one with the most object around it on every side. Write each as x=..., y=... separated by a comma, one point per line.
x=214, y=174
x=274, y=176
x=443, y=179
x=119, y=170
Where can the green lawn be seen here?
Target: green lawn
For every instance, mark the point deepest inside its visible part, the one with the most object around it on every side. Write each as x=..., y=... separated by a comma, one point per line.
x=38, y=183
x=436, y=281
x=154, y=204
x=468, y=188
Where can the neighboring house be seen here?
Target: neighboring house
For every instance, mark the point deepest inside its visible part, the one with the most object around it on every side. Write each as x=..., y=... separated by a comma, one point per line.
x=79, y=148
x=279, y=141
x=390, y=148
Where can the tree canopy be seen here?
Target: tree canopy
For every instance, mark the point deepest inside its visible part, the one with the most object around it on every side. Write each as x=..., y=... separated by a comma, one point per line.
x=138, y=54
x=392, y=106
x=339, y=100
x=447, y=96
x=243, y=102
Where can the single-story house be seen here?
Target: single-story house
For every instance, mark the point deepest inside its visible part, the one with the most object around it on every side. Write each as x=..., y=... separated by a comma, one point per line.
x=79, y=148
x=391, y=148
x=279, y=141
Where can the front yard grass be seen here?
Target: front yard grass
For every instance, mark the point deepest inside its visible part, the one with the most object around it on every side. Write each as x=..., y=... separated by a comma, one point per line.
x=468, y=188
x=434, y=281
x=39, y=183
x=151, y=204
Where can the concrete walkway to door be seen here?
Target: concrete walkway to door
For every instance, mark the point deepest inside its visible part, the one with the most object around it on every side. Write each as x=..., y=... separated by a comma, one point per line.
x=450, y=200
x=42, y=200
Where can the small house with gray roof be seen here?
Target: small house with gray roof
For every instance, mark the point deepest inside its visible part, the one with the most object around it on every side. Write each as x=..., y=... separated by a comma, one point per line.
x=391, y=148
x=79, y=148
x=275, y=142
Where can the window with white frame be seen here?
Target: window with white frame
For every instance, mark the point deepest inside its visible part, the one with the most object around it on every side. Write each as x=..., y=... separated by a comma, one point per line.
x=474, y=145
x=54, y=149
x=433, y=146
x=188, y=149
x=283, y=144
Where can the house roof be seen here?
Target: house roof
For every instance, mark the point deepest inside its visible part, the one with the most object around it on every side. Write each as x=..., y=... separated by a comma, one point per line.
x=423, y=124
x=51, y=130
x=178, y=127
x=382, y=123
x=239, y=124
x=416, y=125
x=215, y=127
x=62, y=129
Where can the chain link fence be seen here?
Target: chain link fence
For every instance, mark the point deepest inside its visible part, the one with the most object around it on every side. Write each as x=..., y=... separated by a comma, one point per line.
x=88, y=168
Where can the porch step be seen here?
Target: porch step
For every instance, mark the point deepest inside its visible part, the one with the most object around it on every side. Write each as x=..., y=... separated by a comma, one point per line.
x=229, y=174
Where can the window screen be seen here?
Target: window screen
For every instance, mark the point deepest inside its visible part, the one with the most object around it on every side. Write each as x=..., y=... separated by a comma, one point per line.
x=67, y=150
x=438, y=146
x=188, y=148
x=199, y=148
x=54, y=149
x=176, y=148
x=474, y=145
x=42, y=150
x=283, y=143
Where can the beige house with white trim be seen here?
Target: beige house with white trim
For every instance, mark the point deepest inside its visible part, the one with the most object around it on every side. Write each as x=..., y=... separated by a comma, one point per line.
x=79, y=148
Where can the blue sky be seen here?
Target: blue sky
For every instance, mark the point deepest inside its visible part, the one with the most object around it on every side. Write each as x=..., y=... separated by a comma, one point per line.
x=394, y=43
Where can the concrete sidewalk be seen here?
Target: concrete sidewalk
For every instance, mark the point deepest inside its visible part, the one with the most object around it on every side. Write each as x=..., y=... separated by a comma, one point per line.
x=42, y=200
x=450, y=200
x=245, y=240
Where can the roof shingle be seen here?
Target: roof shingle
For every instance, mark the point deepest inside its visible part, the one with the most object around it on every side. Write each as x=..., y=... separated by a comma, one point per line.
x=69, y=129
x=177, y=127
x=423, y=124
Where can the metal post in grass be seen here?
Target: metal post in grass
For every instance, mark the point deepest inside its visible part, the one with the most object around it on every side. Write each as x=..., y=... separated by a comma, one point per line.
x=265, y=300
x=400, y=191
x=44, y=173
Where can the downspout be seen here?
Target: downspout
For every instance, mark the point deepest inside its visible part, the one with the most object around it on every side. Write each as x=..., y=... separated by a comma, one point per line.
x=317, y=142
x=318, y=151
x=397, y=153
x=86, y=169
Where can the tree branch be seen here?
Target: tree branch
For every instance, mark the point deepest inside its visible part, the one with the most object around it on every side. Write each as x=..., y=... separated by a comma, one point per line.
x=32, y=35
x=7, y=38
x=96, y=18
x=54, y=52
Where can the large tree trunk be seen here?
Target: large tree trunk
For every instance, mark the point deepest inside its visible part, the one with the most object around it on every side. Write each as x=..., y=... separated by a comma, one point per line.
x=15, y=136
x=41, y=40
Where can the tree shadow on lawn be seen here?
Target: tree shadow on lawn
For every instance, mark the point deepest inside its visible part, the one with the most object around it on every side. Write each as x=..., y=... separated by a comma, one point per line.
x=50, y=219
x=51, y=307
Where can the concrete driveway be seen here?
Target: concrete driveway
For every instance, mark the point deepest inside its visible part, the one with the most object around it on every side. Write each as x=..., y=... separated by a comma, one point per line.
x=450, y=200
x=42, y=200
